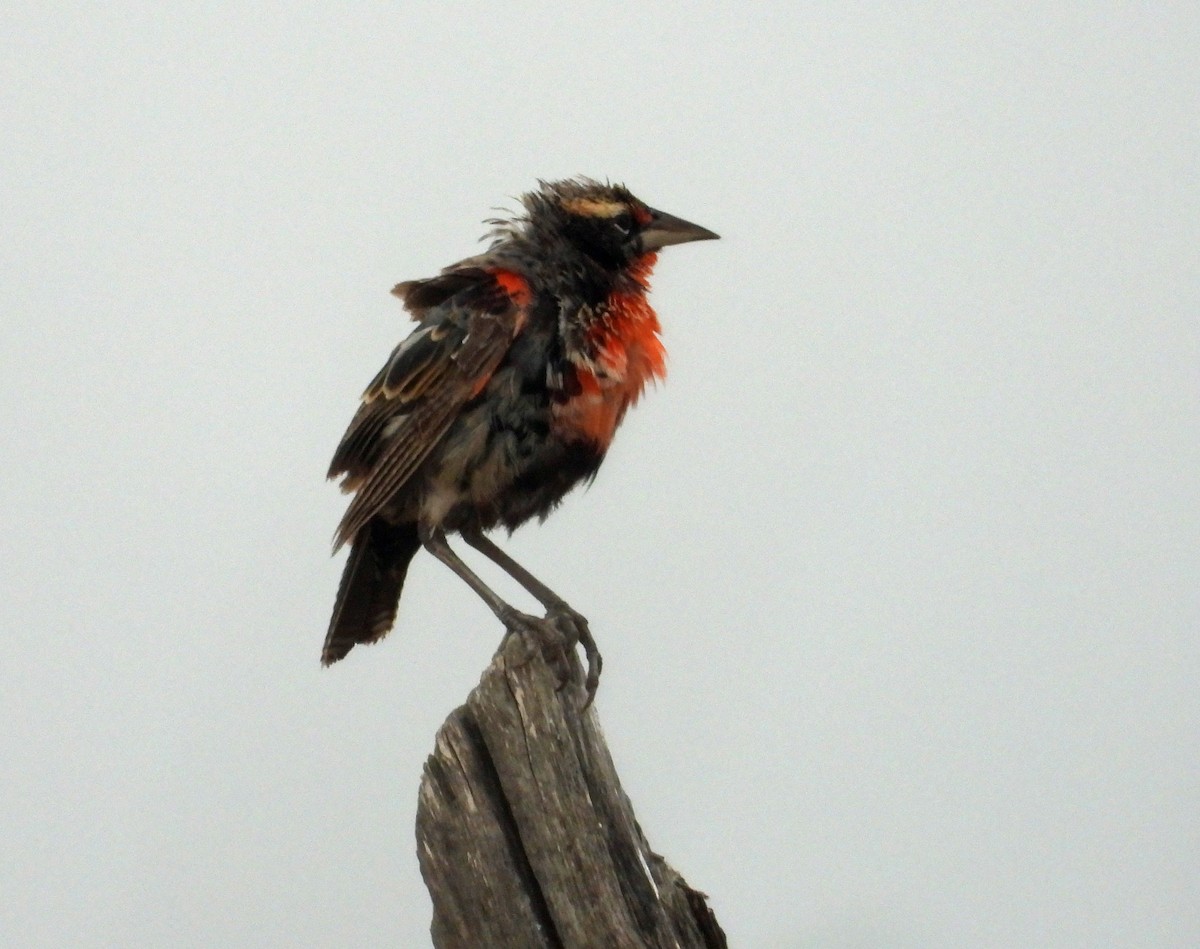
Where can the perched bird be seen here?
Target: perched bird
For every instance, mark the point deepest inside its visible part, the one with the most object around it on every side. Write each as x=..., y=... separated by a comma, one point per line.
x=505, y=397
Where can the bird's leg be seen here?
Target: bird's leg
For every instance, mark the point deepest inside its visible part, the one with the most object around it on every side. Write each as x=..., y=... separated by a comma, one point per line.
x=546, y=635
x=572, y=623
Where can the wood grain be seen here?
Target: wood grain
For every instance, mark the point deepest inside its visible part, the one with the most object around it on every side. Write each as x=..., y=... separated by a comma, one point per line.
x=524, y=836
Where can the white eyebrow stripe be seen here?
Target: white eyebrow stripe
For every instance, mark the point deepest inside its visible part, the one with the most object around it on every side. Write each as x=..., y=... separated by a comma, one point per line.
x=594, y=207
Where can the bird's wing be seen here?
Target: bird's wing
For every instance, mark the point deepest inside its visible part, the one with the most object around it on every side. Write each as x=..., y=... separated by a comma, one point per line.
x=415, y=397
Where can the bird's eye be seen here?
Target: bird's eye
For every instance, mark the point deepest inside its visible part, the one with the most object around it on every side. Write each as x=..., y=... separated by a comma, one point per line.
x=623, y=223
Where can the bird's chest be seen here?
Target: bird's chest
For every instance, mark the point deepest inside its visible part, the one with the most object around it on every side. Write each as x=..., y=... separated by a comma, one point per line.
x=609, y=357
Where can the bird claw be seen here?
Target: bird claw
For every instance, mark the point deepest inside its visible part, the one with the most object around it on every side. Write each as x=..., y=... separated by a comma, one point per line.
x=555, y=637
x=544, y=638
x=574, y=627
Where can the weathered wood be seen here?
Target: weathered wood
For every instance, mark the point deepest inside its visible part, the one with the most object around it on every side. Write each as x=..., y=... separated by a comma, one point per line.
x=525, y=838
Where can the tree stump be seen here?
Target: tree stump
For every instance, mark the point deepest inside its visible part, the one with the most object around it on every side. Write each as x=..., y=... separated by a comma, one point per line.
x=524, y=836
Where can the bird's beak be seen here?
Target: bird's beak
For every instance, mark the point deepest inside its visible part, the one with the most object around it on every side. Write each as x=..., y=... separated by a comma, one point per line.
x=666, y=229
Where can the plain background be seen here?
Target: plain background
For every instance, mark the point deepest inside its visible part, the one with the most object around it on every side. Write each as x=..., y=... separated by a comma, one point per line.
x=896, y=577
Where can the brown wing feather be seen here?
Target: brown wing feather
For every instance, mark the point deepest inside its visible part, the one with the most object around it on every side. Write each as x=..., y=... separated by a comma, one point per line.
x=420, y=296
x=422, y=431
x=415, y=397
x=413, y=367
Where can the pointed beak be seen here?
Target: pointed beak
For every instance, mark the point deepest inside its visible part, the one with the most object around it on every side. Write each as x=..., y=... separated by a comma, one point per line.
x=666, y=229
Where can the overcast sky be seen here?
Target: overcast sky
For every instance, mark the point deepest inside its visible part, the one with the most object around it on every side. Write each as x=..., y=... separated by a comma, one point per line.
x=896, y=577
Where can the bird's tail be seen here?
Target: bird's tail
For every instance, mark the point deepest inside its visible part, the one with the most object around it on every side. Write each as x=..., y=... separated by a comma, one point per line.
x=369, y=593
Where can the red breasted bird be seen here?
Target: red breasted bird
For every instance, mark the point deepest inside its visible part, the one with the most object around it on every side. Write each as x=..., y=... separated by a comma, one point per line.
x=505, y=397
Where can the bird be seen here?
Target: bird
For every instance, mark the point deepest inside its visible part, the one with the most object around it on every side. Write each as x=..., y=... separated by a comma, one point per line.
x=504, y=397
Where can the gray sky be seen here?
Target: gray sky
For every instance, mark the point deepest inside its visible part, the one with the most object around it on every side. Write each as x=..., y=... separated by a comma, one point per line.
x=895, y=578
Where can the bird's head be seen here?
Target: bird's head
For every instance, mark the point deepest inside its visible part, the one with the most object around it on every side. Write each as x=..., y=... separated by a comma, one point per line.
x=605, y=222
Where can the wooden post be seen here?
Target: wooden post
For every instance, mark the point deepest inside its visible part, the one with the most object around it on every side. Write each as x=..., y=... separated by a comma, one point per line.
x=525, y=838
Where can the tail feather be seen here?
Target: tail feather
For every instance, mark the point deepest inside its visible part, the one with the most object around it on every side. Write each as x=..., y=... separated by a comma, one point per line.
x=369, y=593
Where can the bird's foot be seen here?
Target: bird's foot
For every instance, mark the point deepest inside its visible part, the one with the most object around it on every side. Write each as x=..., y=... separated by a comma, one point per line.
x=541, y=637
x=574, y=628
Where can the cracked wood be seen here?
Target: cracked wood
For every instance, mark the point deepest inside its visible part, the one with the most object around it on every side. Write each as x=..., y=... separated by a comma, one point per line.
x=525, y=838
